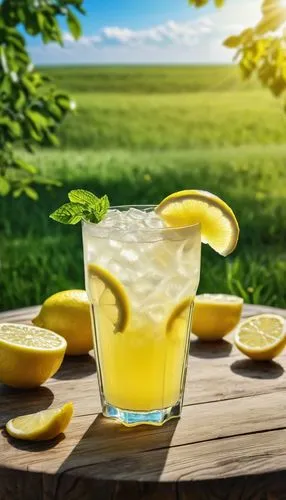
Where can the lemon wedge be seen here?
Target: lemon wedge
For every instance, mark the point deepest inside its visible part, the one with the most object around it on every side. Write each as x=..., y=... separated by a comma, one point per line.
x=41, y=426
x=110, y=299
x=29, y=355
x=261, y=337
x=215, y=315
x=218, y=223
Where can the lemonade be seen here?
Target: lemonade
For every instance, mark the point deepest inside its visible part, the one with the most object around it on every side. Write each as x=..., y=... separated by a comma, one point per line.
x=138, y=275
x=142, y=268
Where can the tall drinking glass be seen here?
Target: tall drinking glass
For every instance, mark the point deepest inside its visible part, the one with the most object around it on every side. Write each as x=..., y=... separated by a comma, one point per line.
x=141, y=279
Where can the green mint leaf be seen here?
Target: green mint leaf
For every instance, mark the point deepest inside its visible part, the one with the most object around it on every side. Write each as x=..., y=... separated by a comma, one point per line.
x=69, y=213
x=83, y=206
x=97, y=213
x=83, y=197
x=103, y=206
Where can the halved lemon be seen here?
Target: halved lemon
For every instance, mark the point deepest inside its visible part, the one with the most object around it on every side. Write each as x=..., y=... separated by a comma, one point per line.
x=41, y=426
x=177, y=321
x=261, y=337
x=215, y=315
x=108, y=295
x=29, y=355
x=218, y=223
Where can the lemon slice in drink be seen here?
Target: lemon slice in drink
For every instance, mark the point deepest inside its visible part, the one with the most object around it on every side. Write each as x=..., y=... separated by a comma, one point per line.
x=108, y=295
x=177, y=321
x=41, y=426
x=261, y=337
x=29, y=355
x=218, y=223
x=215, y=315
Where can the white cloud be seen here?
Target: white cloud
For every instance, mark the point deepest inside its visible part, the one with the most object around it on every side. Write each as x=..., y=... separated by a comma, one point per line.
x=191, y=41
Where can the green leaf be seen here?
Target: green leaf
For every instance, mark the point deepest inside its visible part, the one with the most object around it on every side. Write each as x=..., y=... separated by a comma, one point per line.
x=64, y=102
x=4, y=186
x=55, y=111
x=33, y=134
x=80, y=9
x=13, y=126
x=83, y=197
x=104, y=205
x=83, y=205
x=20, y=101
x=17, y=193
x=74, y=25
x=41, y=20
x=31, y=193
x=69, y=213
x=39, y=121
x=30, y=88
x=52, y=138
x=97, y=213
x=26, y=166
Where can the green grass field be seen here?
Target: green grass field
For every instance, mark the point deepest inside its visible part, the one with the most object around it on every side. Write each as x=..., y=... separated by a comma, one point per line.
x=139, y=134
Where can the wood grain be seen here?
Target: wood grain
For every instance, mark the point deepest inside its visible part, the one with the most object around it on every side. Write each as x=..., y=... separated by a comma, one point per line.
x=229, y=443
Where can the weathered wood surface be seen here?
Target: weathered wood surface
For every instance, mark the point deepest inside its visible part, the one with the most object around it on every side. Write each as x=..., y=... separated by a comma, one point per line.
x=228, y=445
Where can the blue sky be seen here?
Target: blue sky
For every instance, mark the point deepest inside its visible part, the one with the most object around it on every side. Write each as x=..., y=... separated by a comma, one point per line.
x=150, y=31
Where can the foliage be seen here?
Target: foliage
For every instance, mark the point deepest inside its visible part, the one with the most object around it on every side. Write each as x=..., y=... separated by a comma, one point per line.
x=202, y=3
x=263, y=54
x=30, y=109
x=159, y=147
x=252, y=179
x=257, y=52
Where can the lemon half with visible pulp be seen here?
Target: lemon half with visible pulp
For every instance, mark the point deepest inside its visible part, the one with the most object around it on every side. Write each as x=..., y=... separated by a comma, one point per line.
x=41, y=426
x=68, y=314
x=215, y=315
x=219, y=226
x=261, y=337
x=29, y=355
x=109, y=297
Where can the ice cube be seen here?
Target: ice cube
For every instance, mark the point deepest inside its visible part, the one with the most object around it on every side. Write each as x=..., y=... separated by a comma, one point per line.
x=115, y=244
x=156, y=312
x=134, y=213
x=152, y=221
x=129, y=254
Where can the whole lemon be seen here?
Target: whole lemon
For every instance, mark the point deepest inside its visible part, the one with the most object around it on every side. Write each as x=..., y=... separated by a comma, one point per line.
x=68, y=314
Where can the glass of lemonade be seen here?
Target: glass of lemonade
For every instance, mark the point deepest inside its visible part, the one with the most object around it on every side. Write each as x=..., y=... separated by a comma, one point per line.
x=141, y=279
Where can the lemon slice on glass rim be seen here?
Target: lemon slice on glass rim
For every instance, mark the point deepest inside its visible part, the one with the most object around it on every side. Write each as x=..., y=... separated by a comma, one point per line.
x=108, y=295
x=219, y=226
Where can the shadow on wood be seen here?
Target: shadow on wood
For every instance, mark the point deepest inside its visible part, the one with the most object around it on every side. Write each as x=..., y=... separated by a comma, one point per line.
x=75, y=367
x=109, y=452
x=218, y=349
x=15, y=402
x=33, y=446
x=257, y=369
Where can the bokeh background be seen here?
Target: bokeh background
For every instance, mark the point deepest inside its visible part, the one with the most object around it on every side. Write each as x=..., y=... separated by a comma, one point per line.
x=139, y=133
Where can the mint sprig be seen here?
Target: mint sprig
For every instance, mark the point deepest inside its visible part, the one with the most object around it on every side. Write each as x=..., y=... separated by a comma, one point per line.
x=83, y=205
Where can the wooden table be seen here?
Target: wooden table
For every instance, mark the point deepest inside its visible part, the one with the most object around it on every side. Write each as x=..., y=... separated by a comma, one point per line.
x=229, y=444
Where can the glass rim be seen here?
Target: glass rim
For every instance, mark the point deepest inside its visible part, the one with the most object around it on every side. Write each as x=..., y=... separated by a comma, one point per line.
x=145, y=229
